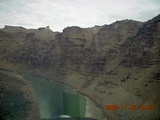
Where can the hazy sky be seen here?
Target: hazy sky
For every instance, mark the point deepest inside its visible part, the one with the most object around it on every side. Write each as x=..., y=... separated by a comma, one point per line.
x=59, y=14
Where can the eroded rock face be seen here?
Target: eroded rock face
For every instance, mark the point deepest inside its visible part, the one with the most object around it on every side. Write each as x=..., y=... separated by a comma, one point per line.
x=17, y=99
x=44, y=47
x=72, y=39
x=32, y=47
x=115, y=34
x=143, y=49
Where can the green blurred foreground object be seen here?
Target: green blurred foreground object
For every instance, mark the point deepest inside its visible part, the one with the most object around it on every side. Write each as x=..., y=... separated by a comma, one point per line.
x=73, y=104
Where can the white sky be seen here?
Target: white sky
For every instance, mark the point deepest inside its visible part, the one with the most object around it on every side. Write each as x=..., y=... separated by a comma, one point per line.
x=59, y=14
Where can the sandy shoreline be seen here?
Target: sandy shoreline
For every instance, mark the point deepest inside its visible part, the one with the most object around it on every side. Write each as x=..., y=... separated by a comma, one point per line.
x=93, y=111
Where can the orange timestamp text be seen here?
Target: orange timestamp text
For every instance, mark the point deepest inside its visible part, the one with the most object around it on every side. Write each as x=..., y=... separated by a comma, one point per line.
x=130, y=107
